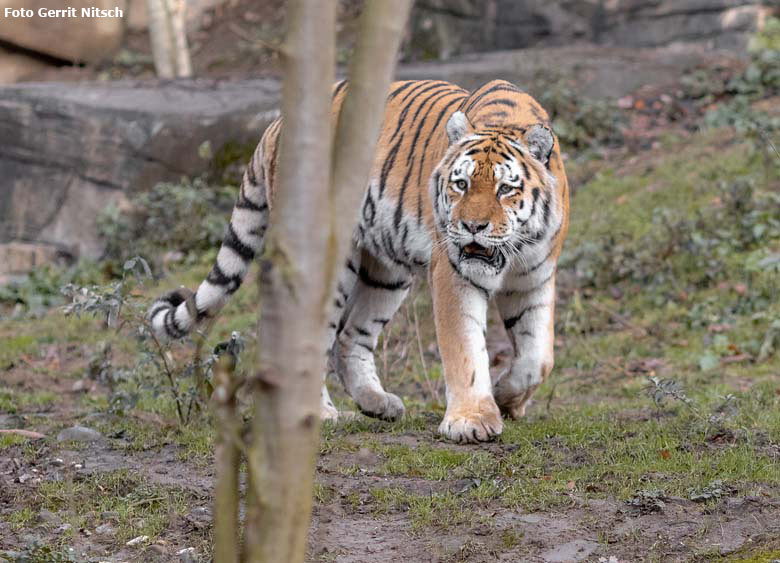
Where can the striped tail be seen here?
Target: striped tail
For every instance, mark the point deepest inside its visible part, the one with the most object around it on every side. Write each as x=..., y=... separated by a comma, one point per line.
x=177, y=313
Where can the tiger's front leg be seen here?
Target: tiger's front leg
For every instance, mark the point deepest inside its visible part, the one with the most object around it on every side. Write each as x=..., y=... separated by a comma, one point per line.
x=527, y=313
x=460, y=313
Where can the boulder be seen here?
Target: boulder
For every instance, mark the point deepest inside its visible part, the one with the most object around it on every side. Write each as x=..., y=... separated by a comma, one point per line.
x=441, y=28
x=69, y=150
x=599, y=72
x=79, y=434
x=17, y=66
x=67, y=37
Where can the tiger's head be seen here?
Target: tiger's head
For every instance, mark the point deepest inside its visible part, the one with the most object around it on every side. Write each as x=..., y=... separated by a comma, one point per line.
x=492, y=194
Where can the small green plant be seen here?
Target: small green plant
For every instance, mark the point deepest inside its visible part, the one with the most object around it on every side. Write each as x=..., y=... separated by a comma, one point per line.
x=578, y=122
x=187, y=218
x=155, y=371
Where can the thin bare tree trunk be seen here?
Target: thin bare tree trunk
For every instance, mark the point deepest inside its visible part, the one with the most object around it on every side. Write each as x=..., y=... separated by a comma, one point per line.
x=306, y=243
x=228, y=457
x=381, y=30
x=293, y=294
x=169, y=38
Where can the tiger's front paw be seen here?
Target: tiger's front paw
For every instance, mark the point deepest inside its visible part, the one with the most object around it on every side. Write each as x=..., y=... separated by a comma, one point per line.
x=479, y=422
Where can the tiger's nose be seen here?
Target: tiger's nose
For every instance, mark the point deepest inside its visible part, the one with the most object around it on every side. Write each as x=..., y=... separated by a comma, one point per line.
x=474, y=226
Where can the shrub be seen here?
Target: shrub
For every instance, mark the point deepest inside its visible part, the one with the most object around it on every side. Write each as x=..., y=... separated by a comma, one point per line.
x=187, y=218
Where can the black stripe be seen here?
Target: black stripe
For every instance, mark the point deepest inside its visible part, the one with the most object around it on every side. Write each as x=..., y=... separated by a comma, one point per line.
x=171, y=327
x=499, y=102
x=501, y=87
x=406, y=84
x=366, y=346
x=366, y=278
x=523, y=292
x=361, y=331
x=218, y=277
x=156, y=308
x=434, y=128
x=387, y=165
x=369, y=210
x=339, y=88
x=232, y=241
x=246, y=203
x=408, y=106
x=512, y=321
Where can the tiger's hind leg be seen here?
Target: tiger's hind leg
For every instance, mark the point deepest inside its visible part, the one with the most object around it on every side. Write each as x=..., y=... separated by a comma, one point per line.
x=342, y=302
x=377, y=294
x=528, y=319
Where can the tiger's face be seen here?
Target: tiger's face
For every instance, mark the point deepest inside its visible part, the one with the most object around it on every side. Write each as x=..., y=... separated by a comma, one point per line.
x=493, y=196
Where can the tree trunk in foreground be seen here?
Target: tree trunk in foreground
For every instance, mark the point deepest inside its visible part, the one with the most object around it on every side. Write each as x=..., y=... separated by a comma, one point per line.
x=305, y=246
x=293, y=294
x=169, y=39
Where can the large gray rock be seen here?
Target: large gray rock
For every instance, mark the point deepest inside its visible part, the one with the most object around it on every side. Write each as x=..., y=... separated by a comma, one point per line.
x=443, y=28
x=599, y=72
x=65, y=35
x=68, y=150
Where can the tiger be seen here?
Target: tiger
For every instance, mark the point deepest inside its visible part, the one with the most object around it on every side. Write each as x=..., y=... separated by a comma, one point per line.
x=468, y=188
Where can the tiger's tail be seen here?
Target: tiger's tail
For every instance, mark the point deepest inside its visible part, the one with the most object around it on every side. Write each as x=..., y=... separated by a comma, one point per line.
x=177, y=313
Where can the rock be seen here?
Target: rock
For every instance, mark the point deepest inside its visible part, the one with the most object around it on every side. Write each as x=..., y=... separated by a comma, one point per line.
x=78, y=39
x=186, y=555
x=71, y=149
x=79, y=434
x=136, y=541
x=16, y=66
x=10, y=421
x=48, y=517
x=110, y=515
x=105, y=530
x=598, y=72
x=200, y=517
x=64, y=528
x=20, y=257
x=450, y=27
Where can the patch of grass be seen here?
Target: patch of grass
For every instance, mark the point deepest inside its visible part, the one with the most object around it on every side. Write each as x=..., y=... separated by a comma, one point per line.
x=436, y=510
x=11, y=347
x=9, y=440
x=22, y=518
x=12, y=401
x=139, y=508
x=436, y=464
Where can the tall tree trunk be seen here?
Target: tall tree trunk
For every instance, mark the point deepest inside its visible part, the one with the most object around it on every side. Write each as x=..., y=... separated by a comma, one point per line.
x=285, y=427
x=168, y=36
x=305, y=244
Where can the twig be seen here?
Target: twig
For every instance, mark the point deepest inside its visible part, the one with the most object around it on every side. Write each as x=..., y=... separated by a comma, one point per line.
x=168, y=372
x=228, y=457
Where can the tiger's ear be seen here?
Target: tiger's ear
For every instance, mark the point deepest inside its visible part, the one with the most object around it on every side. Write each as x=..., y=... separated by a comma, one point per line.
x=458, y=126
x=540, y=142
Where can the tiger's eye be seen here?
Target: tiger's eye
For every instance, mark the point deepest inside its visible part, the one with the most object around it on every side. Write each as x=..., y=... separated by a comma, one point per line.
x=461, y=185
x=504, y=189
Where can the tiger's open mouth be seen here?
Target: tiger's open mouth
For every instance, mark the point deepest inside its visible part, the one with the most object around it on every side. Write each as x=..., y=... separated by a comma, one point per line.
x=488, y=254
